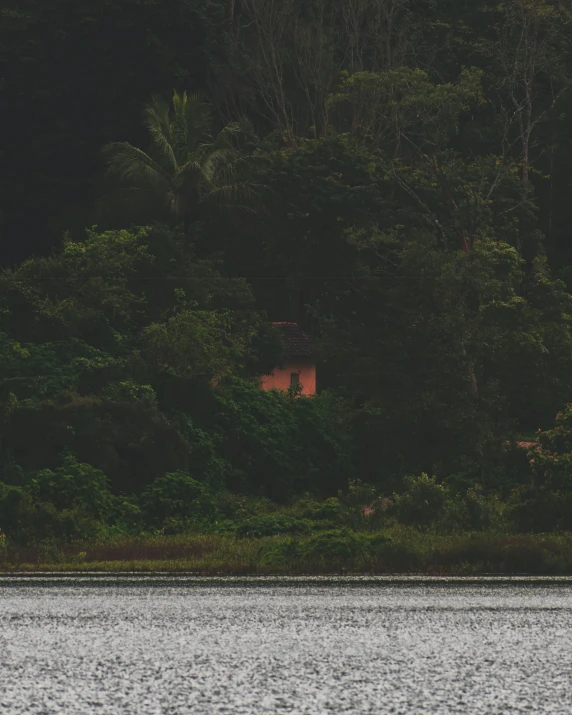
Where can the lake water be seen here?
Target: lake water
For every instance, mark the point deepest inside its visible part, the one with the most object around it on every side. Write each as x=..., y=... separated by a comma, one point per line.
x=182, y=645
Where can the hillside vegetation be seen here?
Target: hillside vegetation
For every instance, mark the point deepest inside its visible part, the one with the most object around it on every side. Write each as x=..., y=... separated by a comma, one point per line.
x=393, y=175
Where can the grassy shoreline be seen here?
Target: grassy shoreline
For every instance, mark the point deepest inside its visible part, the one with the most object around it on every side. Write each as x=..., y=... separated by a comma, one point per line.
x=396, y=551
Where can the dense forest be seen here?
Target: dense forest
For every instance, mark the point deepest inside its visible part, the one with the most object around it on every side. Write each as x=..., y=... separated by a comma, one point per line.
x=393, y=175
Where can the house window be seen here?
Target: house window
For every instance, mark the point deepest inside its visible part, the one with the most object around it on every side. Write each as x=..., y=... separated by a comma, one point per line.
x=294, y=379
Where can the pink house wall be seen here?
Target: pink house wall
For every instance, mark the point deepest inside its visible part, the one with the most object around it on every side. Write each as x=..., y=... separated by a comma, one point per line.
x=280, y=378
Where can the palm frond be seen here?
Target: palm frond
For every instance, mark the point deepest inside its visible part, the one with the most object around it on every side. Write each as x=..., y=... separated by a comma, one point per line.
x=157, y=116
x=213, y=162
x=184, y=166
x=157, y=119
x=228, y=137
x=226, y=174
x=189, y=175
x=239, y=195
x=235, y=134
x=199, y=119
x=190, y=124
x=135, y=167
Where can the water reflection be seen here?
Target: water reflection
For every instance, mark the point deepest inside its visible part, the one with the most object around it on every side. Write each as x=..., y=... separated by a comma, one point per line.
x=164, y=644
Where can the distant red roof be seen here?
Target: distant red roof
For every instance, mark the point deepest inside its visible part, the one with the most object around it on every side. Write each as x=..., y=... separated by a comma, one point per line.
x=527, y=445
x=296, y=341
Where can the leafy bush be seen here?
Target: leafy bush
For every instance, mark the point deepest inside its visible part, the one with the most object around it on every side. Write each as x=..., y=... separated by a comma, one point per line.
x=482, y=513
x=16, y=511
x=531, y=509
x=339, y=548
x=273, y=525
x=277, y=445
x=237, y=507
x=362, y=507
x=472, y=511
x=422, y=503
x=73, y=486
x=334, y=550
x=280, y=554
x=177, y=501
x=328, y=511
x=26, y=522
x=127, y=516
x=427, y=504
x=552, y=461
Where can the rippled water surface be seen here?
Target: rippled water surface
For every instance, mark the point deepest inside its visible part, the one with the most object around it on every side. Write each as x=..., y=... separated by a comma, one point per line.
x=181, y=645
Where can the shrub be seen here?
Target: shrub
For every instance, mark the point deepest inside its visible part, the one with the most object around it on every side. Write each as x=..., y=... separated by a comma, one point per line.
x=128, y=517
x=340, y=548
x=73, y=485
x=238, y=506
x=177, y=501
x=280, y=554
x=273, y=525
x=362, y=507
x=483, y=513
x=26, y=522
x=277, y=445
x=330, y=510
x=540, y=510
x=473, y=511
x=423, y=502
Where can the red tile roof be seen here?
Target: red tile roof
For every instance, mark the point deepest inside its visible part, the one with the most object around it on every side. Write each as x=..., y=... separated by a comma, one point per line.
x=297, y=342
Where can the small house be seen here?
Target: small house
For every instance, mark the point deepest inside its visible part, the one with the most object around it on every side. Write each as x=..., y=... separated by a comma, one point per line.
x=299, y=367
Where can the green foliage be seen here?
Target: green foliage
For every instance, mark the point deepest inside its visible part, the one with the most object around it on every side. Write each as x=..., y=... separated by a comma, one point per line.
x=329, y=511
x=545, y=502
x=475, y=511
x=82, y=292
x=427, y=316
x=339, y=548
x=408, y=551
x=422, y=503
x=329, y=550
x=410, y=221
x=238, y=507
x=552, y=460
x=73, y=486
x=28, y=522
x=386, y=107
x=427, y=504
x=540, y=510
x=198, y=344
x=177, y=501
x=279, y=446
x=273, y=525
x=184, y=168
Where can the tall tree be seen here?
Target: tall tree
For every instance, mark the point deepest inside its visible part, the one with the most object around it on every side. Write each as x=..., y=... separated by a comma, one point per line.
x=294, y=52
x=185, y=167
x=423, y=307
x=75, y=61
x=530, y=64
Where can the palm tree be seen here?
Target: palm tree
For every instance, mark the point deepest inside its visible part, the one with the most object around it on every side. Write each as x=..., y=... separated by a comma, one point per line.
x=185, y=167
